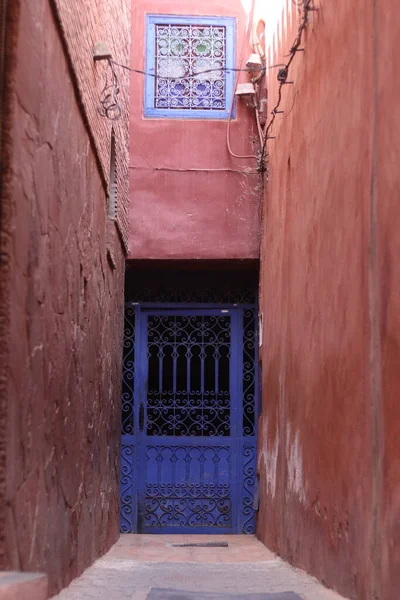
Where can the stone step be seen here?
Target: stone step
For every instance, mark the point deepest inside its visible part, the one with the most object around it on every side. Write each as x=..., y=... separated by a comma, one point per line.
x=15, y=585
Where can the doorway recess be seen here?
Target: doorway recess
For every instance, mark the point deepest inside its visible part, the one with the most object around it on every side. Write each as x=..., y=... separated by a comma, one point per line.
x=189, y=402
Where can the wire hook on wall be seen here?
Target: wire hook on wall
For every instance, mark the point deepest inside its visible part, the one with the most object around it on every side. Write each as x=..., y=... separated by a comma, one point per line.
x=109, y=104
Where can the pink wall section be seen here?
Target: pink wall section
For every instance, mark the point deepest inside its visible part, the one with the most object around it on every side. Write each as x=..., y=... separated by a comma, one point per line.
x=198, y=201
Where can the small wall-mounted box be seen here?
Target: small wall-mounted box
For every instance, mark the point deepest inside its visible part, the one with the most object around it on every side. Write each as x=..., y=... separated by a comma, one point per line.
x=246, y=92
x=101, y=51
x=254, y=62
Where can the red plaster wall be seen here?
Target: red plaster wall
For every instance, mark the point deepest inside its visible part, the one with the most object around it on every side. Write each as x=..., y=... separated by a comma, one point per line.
x=5, y=34
x=329, y=459
x=387, y=183
x=63, y=267
x=198, y=202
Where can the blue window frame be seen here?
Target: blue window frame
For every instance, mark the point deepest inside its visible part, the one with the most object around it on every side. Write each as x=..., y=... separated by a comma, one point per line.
x=188, y=61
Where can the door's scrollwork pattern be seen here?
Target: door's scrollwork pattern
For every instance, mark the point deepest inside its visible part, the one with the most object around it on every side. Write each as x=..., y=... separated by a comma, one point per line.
x=127, y=455
x=188, y=499
x=188, y=506
x=249, y=482
x=249, y=370
x=188, y=359
x=128, y=373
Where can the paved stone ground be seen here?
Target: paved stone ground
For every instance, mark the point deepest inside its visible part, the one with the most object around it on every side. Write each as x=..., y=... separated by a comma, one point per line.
x=138, y=563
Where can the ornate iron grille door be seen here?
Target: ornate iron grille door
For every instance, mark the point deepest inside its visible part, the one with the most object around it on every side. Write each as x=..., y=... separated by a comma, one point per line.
x=189, y=396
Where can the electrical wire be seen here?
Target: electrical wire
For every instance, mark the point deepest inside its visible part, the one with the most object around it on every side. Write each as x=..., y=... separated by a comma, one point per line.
x=228, y=128
x=153, y=168
x=193, y=75
x=243, y=171
x=110, y=96
x=257, y=48
x=292, y=107
x=259, y=128
x=255, y=40
x=307, y=6
x=140, y=154
x=226, y=69
x=262, y=70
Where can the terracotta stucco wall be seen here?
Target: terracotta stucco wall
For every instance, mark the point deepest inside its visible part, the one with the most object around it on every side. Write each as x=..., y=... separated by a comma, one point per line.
x=329, y=461
x=62, y=273
x=188, y=197
x=387, y=193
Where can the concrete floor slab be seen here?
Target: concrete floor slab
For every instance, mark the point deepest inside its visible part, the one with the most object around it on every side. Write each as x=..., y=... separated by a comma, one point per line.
x=160, y=548
x=136, y=564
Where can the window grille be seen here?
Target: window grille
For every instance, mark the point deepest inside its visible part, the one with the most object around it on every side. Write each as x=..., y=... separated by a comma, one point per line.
x=190, y=57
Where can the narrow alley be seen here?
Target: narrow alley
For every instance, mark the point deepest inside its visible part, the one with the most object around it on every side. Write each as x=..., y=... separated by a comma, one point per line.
x=199, y=300
x=141, y=567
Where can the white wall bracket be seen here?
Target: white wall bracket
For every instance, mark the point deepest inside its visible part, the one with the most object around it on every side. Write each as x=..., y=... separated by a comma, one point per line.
x=101, y=51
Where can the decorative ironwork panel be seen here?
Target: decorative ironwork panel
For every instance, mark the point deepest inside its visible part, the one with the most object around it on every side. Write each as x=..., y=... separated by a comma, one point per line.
x=127, y=491
x=188, y=486
x=248, y=524
x=190, y=63
x=249, y=370
x=128, y=372
x=182, y=52
x=188, y=375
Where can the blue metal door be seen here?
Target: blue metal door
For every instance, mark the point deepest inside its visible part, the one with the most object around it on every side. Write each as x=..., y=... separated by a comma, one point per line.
x=190, y=452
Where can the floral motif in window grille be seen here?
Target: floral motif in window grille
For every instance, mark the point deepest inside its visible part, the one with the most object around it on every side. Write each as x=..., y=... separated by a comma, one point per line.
x=182, y=51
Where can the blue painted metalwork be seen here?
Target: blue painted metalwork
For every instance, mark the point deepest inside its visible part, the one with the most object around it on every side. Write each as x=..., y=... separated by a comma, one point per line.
x=249, y=370
x=179, y=47
x=128, y=512
x=127, y=522
x=188, y=458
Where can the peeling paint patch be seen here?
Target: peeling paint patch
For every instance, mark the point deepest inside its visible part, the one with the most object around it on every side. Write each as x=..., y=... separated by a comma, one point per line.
x=294, y=459
x=269, y=459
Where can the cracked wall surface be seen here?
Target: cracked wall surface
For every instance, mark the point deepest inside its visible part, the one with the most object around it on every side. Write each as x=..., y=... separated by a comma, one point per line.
x=64, y=307
x=329, y=461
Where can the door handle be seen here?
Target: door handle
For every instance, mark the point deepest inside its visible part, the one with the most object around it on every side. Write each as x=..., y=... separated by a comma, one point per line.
x=141, y=416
